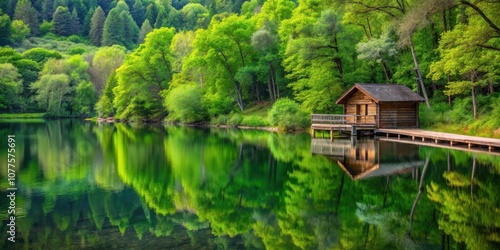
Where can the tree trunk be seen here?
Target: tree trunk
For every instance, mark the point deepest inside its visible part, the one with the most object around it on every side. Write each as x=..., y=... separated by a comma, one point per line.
x=419, y=76
x=474, y=104
x=490, y=87
x=386, y=71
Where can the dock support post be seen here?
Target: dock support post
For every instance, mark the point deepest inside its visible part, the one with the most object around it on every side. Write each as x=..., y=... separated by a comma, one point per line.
x=331, y=134
x=470, y=145
x=313, y=133
x=490, y=148
x=413, y=138
x=399, y=136
x=353, y=131
x=436, y=141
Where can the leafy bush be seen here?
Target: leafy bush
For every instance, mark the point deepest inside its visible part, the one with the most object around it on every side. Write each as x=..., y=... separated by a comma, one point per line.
x=288, y=115
x=45, y=28
x=76, y=51
x=41, y=55
x=184, y=103
x=75, y=39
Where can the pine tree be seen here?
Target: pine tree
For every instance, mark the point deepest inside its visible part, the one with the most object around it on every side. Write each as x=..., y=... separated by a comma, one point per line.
x=130, y=30
x=5, y=30
x=5, y=6
x=145, y=29
x=113, y=32
x=96, y=26
x=47, y=10
x=27, y=13
x=87, y=21
x=75, y=22
x=61, y=22
x=138, y=12
x=161, y=19
x=152, y=13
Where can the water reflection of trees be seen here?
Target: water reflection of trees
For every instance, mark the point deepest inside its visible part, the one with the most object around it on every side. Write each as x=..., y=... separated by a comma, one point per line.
x=261, y=189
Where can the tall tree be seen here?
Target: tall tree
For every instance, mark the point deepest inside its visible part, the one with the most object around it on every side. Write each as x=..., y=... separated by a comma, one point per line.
x=28, y=14
x=97, y=26
x=138, y=12
x=145, y=29
x=61, y=22
x=5, y=30
x=113, y=31
x=143, y=75
x=130, y=30
x=106, y=60
x=19, y=31
x=226, y=46
x=51, y=92
x=47, y=10
x=75, y=22
x=10, y=86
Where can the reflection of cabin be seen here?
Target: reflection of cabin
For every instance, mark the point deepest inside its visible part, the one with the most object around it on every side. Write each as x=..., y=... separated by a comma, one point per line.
x=369, y=158
x=385, y=105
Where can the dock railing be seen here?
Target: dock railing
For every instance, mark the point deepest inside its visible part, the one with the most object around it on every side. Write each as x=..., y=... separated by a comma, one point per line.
x=343, y=119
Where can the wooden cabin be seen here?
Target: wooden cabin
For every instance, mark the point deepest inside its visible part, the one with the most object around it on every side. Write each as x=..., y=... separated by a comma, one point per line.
x=382, y=105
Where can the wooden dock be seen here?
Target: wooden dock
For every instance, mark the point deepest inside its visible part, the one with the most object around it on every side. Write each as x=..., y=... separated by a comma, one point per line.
x=447, y=140
x=343, y=123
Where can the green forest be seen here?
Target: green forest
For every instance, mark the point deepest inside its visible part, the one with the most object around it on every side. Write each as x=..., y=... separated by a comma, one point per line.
x=255, y=63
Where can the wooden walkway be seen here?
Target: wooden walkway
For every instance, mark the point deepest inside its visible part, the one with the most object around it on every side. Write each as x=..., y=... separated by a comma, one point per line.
x=442, y=139
x=346, y=123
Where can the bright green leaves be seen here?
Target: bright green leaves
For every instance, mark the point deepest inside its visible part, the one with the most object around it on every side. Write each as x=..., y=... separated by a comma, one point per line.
x=143, y=75
x=185, y=103
x=225, y=49
x=10, y=86
x=314, y=59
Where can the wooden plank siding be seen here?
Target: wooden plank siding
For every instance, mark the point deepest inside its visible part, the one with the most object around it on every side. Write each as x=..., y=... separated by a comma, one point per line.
x=361, y=104
x=398, y=115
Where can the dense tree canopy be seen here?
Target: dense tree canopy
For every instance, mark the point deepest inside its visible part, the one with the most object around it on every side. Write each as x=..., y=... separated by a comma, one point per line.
x=245, y=53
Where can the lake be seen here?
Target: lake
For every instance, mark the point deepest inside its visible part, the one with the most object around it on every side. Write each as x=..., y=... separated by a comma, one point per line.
x=117, y=186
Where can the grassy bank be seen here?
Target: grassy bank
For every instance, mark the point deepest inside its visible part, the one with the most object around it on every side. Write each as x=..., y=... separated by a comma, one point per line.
x=458, y=118
x=22, y=116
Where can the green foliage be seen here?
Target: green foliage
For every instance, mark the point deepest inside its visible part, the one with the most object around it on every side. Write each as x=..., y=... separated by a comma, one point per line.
x=28, y=14
x=288, y=115
x=184, y=103
x=145, y=29
x=104, y=106
x=113, y=31
x=85, y=98
x=61, y=22
x=143, y=75
x=51, y=91
x=97, y=26
x=41, y=55
x=10, y=87
x=19, y=31
x=254, y=121
x=45, y=28
x=76, y=51
x=5, y=29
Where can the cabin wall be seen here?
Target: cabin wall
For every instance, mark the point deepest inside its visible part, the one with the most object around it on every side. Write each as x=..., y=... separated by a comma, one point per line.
x=361, y=104
x=398, y=115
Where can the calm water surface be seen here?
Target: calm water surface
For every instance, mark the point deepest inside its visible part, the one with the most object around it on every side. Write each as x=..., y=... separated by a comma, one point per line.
x=82, y=185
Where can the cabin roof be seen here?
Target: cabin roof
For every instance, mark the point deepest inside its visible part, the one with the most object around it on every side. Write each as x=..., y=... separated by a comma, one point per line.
x=382, y=93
